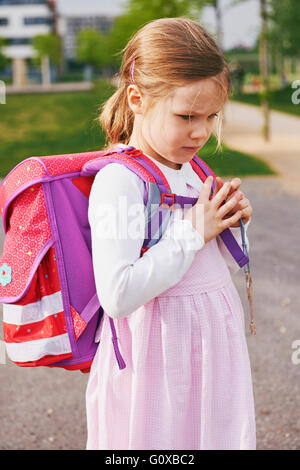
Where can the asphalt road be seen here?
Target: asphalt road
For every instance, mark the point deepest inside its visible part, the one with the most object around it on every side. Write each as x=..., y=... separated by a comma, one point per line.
x=45, y=408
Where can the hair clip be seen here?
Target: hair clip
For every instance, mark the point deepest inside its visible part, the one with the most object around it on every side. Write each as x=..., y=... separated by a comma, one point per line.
x=132, y=70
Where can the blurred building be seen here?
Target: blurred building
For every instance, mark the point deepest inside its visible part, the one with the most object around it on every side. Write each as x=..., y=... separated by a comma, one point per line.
x=20, y=21
x=69, y=27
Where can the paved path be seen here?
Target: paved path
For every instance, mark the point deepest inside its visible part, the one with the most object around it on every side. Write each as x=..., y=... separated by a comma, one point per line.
x=242, y=131
x=53, y=88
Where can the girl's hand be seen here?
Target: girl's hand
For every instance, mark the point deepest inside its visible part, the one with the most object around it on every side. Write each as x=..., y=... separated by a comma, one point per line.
x=208, y=215
x=243, y=203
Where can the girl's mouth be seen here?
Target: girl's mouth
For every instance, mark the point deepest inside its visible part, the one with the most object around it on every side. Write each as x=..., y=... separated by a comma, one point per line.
x=191, y=149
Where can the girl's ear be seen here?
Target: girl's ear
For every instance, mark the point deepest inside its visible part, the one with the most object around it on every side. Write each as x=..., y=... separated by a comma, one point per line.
x=135, y=99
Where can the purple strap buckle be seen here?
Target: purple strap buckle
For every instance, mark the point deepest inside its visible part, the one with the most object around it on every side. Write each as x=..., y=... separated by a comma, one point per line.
x=164, y=200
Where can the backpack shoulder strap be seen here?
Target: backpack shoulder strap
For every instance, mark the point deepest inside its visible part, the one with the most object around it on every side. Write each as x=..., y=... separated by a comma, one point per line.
x=158, y=191
x=155, y=182
x=92, y=167
x=155, y=185
x=203, y=170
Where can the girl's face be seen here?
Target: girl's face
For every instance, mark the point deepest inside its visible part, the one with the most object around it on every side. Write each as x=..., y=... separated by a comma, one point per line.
x=167, y=133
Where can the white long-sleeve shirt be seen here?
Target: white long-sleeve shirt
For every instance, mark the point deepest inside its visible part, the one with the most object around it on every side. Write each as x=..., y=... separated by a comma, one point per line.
x=124, y=280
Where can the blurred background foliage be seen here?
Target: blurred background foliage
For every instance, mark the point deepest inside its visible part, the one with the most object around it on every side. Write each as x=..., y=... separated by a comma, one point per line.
x=65, y=122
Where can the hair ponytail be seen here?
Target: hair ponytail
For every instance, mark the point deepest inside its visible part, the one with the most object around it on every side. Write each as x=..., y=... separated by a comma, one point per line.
x=116, y=118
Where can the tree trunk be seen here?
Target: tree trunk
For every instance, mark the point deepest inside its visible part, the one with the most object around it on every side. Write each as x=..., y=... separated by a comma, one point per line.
x=219, y=23
x=264, y=69
x=46, y=77
x=19, y=68
x=2, y=92
x=279, y=66
x=287, y=66
x=88, y=73
x=298, y=66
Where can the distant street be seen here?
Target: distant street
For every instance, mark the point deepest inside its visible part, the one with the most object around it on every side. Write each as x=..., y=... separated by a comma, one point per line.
x=243, y=131
x=53, y=88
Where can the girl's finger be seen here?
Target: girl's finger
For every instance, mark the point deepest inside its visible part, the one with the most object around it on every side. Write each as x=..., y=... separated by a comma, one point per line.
x=236, y=183
x=221, y=194
x=219, y=180
x=218, y=186
x=228, y=206
x=233, y=194
x=242, y=203
x=245, y=206
x=247, y=212
x=226, y=223
x=234, y=186
x=206, y=189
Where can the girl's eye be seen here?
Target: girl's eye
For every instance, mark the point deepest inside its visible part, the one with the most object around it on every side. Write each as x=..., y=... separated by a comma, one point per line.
x=184, y=117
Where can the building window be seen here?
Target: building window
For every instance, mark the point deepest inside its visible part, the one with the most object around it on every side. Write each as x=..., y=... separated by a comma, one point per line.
x=3, y=21
x=37, y=20
x=23, y=2
x=18, y=41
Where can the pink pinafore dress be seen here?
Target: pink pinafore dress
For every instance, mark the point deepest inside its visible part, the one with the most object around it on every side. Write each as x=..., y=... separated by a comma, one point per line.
x=187, y=382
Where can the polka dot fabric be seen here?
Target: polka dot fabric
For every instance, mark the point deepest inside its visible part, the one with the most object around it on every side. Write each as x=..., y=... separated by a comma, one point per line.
x=26, y=236
x=122, y=158
x=25, y=217
x=36, y=168
x=35, y=329
x=22, y=174
x=37, y=318
x=59, y=164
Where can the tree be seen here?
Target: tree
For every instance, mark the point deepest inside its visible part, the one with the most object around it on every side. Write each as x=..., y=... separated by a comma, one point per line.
x=3, y=59
x=92, y=48
x=159, y=8
x=263, y=61
x=284, y=34
x=264, y=68
x=284, y=27
x=263, y=49
x=216, y=4
x=138, y=13
x=47, y=48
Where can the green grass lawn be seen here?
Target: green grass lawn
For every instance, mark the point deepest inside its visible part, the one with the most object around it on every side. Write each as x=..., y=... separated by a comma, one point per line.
x=230, y=162
x=59, y=123
x=281, y=100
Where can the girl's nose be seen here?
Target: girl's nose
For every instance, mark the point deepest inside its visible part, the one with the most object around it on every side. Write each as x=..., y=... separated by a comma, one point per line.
x=199, y=132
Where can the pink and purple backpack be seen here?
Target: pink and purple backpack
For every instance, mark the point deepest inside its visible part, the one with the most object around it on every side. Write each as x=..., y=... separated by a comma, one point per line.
x=51, y=309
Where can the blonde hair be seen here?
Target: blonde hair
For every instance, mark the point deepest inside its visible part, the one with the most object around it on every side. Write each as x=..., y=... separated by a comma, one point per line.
x=168, y=52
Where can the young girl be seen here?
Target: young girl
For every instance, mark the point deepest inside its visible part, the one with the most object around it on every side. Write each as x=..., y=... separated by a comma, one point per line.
x=179, y=319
